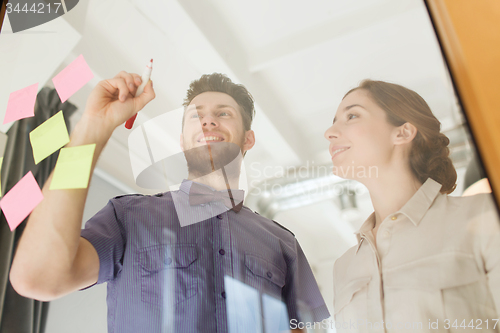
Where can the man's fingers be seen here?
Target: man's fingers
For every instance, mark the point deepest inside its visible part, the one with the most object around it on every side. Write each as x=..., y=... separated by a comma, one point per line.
x=137, y=79
x=119, y=84
x=136, y=82
x=130, y=79
x=147, y=96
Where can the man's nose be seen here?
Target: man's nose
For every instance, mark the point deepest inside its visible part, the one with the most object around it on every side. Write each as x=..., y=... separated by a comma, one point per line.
x=209, y=121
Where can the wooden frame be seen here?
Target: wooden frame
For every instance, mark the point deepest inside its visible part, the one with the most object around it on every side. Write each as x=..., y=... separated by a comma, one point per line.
x=3, y=7
x=469, y=34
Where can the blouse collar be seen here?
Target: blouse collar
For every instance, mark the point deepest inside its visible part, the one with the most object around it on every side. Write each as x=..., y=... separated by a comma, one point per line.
x=414, y=209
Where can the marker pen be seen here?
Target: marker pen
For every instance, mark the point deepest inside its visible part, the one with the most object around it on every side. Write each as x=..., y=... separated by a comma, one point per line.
x=145, y=78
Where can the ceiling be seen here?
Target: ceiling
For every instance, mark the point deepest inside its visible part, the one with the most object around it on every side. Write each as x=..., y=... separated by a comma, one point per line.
x=297, y=58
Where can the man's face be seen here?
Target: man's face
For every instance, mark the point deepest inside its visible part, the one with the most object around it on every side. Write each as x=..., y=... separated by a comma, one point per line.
x=213, y=133
x=214, y=117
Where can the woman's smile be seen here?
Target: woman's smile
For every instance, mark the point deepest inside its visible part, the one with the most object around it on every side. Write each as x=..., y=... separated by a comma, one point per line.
x=338, y=151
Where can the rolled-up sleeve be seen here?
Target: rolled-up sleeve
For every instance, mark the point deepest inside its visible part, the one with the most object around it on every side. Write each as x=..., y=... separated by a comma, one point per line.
x=304, y=300
x=106, y=232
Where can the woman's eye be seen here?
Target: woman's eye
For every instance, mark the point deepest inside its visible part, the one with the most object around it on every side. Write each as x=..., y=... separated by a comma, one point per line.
x=224, y=114
x=351, y=116
x=195, y=115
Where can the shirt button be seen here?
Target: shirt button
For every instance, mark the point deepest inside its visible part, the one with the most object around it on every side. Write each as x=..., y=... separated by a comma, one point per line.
x=394, y=217
x=222, y=252
x=223, y=294
x=219, y=217
x=169, y=261
x=269, y=274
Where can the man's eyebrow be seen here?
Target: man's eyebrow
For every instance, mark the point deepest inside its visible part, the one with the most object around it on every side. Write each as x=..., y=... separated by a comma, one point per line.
x=223, y=106
x=218, y=106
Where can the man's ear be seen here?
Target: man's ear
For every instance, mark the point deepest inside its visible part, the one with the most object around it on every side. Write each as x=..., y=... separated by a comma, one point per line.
x=249, y=140
x=405, y=134
x=181, y=142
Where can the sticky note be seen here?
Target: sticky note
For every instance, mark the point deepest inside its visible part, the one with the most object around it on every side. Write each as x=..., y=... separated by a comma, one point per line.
x=72, y=78
x=3, y=143
x=49, y=137
x=21, y=104
x=1, y=161
x=73, y=167
x=20, y=201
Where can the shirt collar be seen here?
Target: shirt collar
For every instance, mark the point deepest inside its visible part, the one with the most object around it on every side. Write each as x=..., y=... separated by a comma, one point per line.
x=414, y=209
x=421, y=201
x=366, y=227
x=186, y=186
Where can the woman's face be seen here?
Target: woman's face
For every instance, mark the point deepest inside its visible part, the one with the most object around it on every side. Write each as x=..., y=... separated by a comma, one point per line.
x=361, y=138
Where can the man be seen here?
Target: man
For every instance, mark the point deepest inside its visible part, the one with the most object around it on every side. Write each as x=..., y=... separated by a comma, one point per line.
x=225, y=269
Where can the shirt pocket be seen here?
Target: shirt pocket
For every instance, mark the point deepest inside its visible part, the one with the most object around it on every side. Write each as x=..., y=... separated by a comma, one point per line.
x=264, y=275
x=466, y=296
x=452, y=279
x=350, y=302
x=168, y=273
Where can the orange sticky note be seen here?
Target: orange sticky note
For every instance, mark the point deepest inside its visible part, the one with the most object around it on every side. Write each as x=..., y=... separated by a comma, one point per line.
x=72, y=78
x=21, y=104
x=20, y=201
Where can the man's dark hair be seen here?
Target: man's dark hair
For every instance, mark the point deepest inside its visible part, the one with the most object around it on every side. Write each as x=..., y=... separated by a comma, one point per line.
x=221, y=83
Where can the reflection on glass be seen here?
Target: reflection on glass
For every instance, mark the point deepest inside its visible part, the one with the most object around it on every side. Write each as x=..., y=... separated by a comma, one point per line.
x=298, y=61
x=275, y=315
x=251, y=311
x=244, y=313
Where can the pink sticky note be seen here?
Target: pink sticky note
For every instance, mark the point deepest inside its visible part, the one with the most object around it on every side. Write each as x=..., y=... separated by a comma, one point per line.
x=21, y=104
x=72, y=78
x=20, y=201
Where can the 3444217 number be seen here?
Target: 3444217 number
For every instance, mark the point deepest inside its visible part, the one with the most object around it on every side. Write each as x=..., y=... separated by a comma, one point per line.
x=37, y=8
x=473, y=324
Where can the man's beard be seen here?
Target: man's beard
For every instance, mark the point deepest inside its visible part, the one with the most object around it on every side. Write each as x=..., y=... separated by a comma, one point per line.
x=208, y=158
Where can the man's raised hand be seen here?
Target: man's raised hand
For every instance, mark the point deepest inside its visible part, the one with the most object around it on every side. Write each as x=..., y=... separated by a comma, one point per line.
x=113, y=101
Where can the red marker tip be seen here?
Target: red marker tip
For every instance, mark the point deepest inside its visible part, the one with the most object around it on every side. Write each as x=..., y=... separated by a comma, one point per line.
x=151, y=59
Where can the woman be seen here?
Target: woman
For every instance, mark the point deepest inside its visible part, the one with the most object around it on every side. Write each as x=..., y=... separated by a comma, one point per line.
x=424, y=261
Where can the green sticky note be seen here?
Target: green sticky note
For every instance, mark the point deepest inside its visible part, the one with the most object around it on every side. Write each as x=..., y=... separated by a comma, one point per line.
x=73, y=167
x=1, y=161
x=49, y=137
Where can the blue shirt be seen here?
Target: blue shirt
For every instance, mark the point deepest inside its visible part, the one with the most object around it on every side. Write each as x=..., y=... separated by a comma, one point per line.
x=233, y=272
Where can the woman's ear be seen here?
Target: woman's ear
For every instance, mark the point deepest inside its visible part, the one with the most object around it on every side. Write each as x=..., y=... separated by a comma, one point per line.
x=405, y=134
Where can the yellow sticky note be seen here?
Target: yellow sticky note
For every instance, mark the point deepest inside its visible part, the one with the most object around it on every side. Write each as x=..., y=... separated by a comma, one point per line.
x=73, y=167
x=49, y=137
x=1, y=161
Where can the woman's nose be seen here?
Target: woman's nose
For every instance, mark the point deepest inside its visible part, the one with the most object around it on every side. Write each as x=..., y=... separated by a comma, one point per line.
x=331, y=133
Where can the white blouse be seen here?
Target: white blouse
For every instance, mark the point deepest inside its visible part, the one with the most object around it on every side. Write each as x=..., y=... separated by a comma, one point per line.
x=436, y=268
